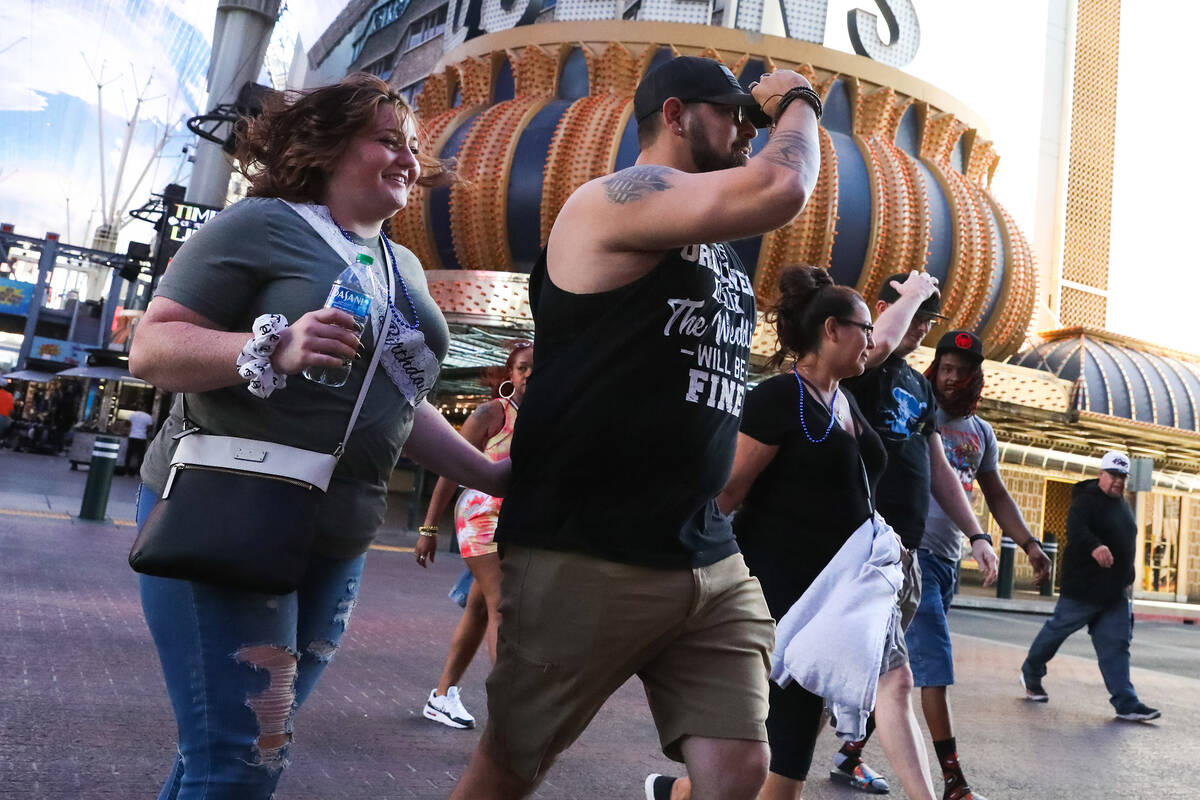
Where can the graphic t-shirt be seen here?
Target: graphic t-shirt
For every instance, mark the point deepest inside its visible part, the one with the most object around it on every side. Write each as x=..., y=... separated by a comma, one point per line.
x=970, y=447
x=630, y=418
x=900, y=405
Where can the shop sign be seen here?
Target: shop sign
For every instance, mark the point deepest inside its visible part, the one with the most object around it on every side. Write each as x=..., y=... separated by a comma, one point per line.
x=15, y=296
x=802, y=19
x=64, y=352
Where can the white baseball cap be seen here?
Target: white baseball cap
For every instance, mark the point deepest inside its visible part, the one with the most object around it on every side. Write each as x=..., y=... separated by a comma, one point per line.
x=1115, y=461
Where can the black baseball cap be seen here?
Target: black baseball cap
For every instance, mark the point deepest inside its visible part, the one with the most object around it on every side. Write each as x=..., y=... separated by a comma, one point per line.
x=694, y=80
x=963, y=342
x=932, y=305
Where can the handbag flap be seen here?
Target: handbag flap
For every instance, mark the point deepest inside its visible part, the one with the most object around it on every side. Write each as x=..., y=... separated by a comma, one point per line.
x=255, y=455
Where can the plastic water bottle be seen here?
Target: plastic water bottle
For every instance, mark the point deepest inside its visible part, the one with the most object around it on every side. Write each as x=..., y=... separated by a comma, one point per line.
x=350, y=293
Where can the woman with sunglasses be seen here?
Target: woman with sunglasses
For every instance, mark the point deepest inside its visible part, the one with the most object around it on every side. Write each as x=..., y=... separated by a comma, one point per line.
x=803, y=476
x=489, y=428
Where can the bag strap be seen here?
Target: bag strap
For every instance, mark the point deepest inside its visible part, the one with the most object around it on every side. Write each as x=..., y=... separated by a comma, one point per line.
x=362, y=393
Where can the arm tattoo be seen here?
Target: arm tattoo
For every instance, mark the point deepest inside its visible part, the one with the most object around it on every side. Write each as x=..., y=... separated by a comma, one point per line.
x=635, y=183
x=790, y=149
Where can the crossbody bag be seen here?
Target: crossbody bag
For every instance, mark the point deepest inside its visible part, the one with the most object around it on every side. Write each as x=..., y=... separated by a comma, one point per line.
x=240, y=512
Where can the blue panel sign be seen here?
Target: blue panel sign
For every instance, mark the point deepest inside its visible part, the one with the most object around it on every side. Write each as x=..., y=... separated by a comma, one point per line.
x=64, y=352
x=15, y=297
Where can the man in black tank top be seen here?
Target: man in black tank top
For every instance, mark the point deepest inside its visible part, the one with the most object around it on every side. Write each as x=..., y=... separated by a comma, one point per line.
x=615, y=560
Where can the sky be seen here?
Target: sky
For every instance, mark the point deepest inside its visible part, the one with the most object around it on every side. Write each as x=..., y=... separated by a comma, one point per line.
x=990, y=56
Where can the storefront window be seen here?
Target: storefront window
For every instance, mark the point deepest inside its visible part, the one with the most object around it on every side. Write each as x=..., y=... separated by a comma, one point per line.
x=1160, y=551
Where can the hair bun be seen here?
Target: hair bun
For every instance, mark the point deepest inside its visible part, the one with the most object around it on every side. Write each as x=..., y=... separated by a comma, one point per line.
x=797, y=284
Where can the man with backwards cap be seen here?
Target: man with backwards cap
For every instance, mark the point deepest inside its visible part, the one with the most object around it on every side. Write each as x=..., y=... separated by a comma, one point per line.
x=614, y=558
x=901, y=406
x=970, y=446
x=1097, y=572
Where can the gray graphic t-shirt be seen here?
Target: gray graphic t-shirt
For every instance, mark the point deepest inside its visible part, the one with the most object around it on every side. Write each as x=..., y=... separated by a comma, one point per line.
x=970, y=447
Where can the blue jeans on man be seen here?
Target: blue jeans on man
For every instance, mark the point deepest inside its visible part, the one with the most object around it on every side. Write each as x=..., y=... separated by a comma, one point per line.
x=1111, y=628
x=928, y=635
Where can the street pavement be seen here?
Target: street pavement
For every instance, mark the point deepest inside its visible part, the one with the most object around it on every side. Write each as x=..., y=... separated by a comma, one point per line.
x=83, y=712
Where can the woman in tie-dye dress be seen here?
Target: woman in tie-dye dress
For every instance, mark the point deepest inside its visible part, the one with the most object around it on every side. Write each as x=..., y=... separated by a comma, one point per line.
x=490, y=428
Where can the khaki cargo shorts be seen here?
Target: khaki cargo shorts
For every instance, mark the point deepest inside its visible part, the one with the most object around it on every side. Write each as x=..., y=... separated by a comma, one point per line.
x=574, y=628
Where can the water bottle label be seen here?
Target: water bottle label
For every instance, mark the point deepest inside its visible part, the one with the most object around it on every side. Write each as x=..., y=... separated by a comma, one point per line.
x=350, y=301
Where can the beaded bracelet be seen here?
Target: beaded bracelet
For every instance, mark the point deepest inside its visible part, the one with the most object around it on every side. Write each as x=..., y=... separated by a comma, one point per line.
x=803, y=92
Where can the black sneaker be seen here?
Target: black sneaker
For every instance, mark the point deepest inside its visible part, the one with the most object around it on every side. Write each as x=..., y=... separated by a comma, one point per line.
x=658, y=787
x=1033, y=689
x=1139, y=713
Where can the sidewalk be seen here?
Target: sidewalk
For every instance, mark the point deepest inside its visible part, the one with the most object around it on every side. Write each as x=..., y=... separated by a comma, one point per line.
x=46, y=487
x=1027, y=602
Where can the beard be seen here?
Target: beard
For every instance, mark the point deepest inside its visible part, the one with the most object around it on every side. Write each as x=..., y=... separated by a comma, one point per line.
x=709, y=159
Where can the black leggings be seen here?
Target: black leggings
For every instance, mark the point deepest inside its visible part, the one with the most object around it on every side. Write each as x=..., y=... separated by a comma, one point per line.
x=793, y=724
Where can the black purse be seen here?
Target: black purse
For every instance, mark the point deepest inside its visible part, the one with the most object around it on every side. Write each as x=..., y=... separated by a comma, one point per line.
x=240, y=512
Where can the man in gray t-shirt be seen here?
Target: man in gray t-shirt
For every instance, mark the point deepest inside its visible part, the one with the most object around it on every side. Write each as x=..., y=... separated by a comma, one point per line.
x=970, y=446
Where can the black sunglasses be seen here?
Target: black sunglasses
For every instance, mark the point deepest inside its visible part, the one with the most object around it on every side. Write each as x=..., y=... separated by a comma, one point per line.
x=867, y=327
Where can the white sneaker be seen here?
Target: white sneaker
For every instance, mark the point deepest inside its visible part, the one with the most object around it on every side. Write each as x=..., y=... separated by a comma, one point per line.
x=448, y=710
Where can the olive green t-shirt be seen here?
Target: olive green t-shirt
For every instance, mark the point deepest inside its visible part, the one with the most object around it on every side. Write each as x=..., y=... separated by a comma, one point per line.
x=260, y=257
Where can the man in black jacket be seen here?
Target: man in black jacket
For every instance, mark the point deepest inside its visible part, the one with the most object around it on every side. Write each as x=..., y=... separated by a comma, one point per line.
x=1097, y=572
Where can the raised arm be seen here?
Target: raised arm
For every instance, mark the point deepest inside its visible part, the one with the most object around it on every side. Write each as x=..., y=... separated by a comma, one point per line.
x=652, y=208
x=893, y=323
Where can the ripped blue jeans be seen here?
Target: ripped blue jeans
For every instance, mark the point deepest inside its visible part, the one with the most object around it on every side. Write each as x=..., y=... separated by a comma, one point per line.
x=238, y=664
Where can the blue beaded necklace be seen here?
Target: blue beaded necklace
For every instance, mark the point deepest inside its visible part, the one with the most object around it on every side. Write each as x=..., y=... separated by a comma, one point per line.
x=403, y=323
x=803, y=425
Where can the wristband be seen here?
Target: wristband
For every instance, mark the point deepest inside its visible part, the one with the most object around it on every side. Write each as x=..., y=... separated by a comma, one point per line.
x=427, y=530
x=804, y=93
x=985, y=537
x=254, y=362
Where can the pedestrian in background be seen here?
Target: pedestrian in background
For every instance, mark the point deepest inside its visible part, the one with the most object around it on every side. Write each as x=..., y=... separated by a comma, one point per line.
x=1097, y=579
x=956, y=375
x=490, y=428
x=239, y=663
x=135, y=448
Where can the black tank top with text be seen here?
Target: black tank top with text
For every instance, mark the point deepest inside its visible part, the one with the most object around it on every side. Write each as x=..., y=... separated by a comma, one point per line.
x=630, y=417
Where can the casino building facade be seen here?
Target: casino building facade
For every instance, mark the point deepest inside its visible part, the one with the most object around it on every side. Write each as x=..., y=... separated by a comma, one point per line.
x=533, y=100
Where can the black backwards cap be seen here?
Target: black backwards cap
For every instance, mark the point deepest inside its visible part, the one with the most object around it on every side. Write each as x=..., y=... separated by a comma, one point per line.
x=694, y=80
x=931, y=306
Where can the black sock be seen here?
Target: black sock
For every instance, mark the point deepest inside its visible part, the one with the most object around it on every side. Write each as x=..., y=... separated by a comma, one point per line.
x=947, y=753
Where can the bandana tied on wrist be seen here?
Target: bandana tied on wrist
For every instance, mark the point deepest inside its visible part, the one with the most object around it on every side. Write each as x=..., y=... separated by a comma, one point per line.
x=254, y=363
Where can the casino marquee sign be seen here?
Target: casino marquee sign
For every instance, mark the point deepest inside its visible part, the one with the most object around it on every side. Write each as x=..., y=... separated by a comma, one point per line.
x=533, y=111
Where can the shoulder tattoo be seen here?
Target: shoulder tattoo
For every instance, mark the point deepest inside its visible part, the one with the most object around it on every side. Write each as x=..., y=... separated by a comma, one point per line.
x=635, y=183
